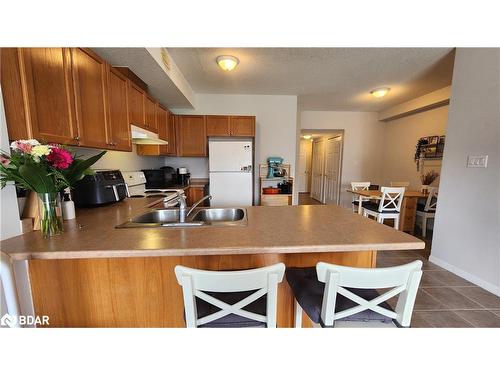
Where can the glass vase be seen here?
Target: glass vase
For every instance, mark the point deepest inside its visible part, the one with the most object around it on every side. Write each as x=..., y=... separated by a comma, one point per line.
x=50, y=214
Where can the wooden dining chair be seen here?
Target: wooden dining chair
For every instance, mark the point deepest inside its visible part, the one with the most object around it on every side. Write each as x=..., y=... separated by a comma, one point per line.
x=8, y=289
x=404, y=184
x=388, y=207
x=339, y=296
x=427, y=210
x=218, y=299
x=357, y=203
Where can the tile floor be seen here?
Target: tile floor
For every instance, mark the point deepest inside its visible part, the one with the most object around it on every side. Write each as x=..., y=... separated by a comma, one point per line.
x=445, y=299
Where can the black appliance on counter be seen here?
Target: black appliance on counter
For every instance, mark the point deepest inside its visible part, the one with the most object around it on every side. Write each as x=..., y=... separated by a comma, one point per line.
x=105, y=186
x=183, y=176
x=161, y=178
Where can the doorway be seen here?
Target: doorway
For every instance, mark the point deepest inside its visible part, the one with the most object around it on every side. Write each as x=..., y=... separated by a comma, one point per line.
x=323, y=175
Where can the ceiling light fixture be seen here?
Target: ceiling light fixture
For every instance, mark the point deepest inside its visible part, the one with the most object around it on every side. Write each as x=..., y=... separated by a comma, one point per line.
x=307, y=136
x=380, y=92
x=227, y=62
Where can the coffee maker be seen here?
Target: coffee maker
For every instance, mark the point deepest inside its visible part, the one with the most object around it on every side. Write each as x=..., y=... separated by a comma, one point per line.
x=183, y=176
x=274, y=164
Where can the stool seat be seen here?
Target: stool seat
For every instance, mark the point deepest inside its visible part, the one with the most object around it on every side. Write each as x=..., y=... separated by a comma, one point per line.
x=309, y=291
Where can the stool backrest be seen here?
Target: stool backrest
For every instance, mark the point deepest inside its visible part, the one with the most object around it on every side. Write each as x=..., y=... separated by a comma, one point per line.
x=391, y=200
x=403, y=280
x=431, y=201
x=400, y=184
x=196, y=282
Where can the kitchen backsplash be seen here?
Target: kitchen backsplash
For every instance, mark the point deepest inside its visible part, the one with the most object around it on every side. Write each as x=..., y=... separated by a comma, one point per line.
x=197, y=167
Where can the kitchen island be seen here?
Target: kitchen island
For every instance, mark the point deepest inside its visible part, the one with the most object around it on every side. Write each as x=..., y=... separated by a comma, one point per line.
x=95, y=275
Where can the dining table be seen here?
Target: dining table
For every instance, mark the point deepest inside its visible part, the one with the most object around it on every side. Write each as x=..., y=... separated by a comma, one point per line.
x=408, y=206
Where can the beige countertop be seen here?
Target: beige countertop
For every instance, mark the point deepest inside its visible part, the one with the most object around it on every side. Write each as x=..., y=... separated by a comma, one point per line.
x=288, y=229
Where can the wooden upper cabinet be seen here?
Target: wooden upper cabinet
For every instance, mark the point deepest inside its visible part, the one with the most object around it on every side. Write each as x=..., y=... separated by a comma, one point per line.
x=243, y=126
x=136, y=105
x=150, y=114
x=171, y=148
x=218, y=126
x=90, y=83
x=162, y=118
x=191, y=136
x=49, y=93
x=118, y=125
x=10, y=75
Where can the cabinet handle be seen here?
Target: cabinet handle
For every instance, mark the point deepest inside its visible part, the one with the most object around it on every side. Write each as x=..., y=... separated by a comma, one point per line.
x=77, y=138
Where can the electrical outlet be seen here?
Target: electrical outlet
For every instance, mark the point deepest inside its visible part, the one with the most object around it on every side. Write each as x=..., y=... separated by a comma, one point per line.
x=477, y=161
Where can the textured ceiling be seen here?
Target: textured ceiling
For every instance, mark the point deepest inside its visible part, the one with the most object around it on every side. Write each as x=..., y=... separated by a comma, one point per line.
x=322, y=78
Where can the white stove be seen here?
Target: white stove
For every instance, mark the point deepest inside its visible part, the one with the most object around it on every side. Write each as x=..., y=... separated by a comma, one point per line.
x=136, y=182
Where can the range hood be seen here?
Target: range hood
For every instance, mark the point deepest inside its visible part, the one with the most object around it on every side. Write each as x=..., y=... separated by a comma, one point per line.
x=142, y=136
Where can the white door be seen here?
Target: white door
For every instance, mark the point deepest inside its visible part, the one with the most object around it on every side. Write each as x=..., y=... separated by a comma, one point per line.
x=230, y=156
x=304, y=173
x=317, y=169
x=332, y=170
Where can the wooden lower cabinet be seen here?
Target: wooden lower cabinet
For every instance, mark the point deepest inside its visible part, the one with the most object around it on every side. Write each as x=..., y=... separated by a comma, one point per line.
x=408, y=214
x=194, y=194
x=143, y=292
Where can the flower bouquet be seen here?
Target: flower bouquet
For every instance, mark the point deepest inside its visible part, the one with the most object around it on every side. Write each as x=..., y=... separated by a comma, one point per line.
x=45, y=169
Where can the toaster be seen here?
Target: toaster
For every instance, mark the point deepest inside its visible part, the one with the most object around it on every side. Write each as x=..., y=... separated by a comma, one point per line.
x=103, y=187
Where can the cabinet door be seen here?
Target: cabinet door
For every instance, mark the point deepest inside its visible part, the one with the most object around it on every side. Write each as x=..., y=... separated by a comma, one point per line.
x=150, y=112
x=218, y=126
x=191, y=135
x=49, y=90
x=118, y=125
x=12, y=90
x=243, y=126
x=162, y=117
x=172, y=144
x=89, y=76
x=194, y=194
x=136, y=105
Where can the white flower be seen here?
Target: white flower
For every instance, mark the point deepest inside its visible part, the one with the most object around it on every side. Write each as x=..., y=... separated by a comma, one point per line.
x=40, y=150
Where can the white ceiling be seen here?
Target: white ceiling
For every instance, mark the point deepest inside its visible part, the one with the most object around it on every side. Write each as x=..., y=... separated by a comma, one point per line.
x=322, y=78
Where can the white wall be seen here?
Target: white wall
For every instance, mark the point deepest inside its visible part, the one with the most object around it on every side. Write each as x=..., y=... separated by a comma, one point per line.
x=400, y=138
x=467, y=226
x=363, y=144
x=276, y=122
x=11, y=225
x=125, y=161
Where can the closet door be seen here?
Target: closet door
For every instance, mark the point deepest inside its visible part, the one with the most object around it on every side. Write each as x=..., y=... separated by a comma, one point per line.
x=332, y=170
x=317, y=191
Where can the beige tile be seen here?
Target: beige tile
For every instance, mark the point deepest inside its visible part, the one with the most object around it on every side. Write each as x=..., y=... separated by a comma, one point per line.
x=441, y=319
x=480, y=318
x=481, y=296
x=496, y=312
x=449, y=279
x=451, y=298
x=418, y=322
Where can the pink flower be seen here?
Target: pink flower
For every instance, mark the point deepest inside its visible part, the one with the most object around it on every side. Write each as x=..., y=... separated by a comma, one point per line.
x=4, y=160
x=60, y=158
x=22, y=146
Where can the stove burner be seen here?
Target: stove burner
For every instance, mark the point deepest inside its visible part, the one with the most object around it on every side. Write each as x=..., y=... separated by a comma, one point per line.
x=153, y=191
x=156, y=195
x=137, y=196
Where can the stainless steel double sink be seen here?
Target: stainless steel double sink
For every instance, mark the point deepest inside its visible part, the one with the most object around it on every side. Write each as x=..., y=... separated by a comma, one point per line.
x=203, y=217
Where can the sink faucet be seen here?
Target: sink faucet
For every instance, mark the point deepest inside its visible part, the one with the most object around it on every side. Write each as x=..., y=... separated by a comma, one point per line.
x=182, y=207
x=197, y=204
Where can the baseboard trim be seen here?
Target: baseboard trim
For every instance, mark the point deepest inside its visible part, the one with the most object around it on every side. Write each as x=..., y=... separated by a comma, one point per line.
x=466, y=275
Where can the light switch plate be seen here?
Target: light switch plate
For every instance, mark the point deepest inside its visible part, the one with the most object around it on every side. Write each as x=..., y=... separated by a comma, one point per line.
x=477, y=161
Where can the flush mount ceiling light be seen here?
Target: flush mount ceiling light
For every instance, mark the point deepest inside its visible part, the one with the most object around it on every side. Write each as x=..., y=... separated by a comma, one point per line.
x=307, y=136
x=227, y=62
x=380, y=92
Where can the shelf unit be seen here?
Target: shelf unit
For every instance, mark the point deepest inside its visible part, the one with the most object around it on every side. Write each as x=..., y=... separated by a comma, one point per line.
x=275, y=199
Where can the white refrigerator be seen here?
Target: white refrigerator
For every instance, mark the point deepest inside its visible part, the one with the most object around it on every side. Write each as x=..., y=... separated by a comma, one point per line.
x=231, y=172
